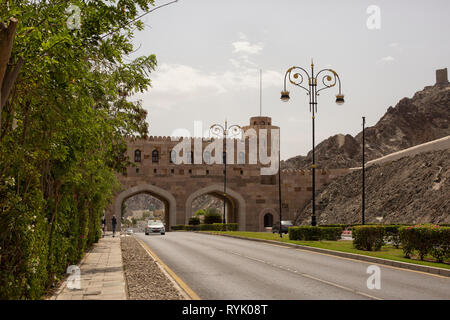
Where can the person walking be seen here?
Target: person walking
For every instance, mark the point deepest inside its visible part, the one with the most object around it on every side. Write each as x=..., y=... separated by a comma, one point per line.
x=103, y=226
x=114, y=223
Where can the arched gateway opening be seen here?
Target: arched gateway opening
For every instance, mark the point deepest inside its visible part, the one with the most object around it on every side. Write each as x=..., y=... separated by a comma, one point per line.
x=164, y=196
x=235, y=203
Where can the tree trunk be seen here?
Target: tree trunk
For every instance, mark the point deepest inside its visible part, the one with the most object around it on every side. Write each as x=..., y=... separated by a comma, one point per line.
x=8, y=73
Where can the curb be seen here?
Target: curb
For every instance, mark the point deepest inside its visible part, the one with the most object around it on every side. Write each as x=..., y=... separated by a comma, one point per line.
x=354, y=256
x=179, y=284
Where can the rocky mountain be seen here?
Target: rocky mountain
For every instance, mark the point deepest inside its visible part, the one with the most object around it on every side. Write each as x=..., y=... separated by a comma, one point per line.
x=410, y=190
x=416, y=120
x=143, y=201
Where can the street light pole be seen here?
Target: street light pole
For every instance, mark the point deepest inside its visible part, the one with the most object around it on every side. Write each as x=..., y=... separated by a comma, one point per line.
x=363, y=171
x=296, y=76
x=279, y=182
x=225, y=131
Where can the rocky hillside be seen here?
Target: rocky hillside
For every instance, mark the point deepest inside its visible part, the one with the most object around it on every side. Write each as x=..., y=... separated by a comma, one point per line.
x=410, y=190
x=416, y=120
x=143, y=201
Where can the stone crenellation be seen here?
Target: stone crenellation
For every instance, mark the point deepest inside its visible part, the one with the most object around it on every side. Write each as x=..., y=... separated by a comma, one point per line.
x=251, y=198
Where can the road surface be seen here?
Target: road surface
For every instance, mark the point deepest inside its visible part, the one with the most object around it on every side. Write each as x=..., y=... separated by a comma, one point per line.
x=217, y=267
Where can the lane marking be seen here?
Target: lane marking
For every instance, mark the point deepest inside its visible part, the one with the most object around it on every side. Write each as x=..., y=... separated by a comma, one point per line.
x=356, y=260
x=192, y=295
x=307, y=276
x=375, y=263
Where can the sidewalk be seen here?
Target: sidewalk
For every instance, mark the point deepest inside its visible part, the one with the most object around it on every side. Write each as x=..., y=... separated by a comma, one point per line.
x=101, y=274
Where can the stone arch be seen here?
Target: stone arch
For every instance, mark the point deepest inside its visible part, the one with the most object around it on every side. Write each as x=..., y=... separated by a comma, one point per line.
x=275, y=214
x=218, y=189
x=161, y=194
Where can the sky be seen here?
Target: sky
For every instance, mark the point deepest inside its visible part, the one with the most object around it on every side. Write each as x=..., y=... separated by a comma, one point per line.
x=210, y=52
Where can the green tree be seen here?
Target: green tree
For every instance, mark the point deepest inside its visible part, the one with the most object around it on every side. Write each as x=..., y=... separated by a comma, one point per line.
x=62, y=133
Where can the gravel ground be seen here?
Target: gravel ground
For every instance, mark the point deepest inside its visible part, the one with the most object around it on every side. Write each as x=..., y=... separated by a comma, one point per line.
x=145, y=279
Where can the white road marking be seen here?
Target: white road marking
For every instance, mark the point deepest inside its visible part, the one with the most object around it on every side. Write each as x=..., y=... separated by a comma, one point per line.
x=307, y=276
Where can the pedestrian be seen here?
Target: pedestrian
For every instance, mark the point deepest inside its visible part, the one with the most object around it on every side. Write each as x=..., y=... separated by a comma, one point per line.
x=114, y=223
x=103, y=226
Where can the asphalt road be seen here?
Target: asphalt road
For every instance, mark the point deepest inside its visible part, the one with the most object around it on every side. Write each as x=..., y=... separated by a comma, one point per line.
x=217, y=267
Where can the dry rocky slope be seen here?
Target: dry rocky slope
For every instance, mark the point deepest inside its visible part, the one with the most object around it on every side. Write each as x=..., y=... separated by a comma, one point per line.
x=410, y=190
x=422, y=118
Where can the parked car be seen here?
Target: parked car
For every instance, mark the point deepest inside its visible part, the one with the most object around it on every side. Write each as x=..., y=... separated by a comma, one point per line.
x=285, y=224
x=130, y=231
x=155, y=226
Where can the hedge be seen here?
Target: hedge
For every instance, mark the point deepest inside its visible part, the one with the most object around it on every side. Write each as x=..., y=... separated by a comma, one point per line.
x=368, y=237
x=207, y=227
x=194, y=221
x=309, y=233
x=426, y=239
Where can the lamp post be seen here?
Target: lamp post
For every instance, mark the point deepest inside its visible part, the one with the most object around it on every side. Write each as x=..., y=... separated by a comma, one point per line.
x=279, y=183
x=363, y=172
x=225, y=131
x=329, y=78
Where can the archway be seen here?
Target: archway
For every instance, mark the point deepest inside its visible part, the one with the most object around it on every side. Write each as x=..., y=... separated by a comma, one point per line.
x=266, y=216
x=166, y=197
x=235, y=202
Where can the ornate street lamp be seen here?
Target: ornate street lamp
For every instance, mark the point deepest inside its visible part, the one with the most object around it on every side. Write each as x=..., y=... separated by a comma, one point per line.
x=225, y=131
x=329, y=78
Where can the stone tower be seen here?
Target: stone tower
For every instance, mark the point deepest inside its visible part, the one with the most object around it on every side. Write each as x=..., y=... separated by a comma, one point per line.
x=441, y=76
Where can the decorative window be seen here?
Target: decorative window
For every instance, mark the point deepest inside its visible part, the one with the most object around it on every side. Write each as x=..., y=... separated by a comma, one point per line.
x=155, y=156
x=137, y=155
x=268, y=220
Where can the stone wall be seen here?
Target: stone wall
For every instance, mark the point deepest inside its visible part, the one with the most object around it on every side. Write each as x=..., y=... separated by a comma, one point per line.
x=249, y=195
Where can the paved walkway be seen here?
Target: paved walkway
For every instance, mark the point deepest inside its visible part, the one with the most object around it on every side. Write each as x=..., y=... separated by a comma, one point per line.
x=101, y=274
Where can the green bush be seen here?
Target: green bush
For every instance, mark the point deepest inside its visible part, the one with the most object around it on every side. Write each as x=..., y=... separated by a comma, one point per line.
x=368, y=237
x=330, y=233
x=309, y=233
x=177, y=227
x=194, y=221
x=212, y=216
x=219, y=227
x=426, y=239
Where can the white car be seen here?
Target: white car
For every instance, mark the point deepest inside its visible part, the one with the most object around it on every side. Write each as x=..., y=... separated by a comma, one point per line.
x=155, y=226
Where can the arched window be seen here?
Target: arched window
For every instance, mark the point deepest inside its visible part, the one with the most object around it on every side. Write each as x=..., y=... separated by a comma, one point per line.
x=241, y=158
x=268, y=220
x=207, y=156
x=173, y=156
x=155, y=156
x=137, y=155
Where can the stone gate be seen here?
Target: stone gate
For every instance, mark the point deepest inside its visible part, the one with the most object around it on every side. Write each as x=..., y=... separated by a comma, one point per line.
x=251, y=198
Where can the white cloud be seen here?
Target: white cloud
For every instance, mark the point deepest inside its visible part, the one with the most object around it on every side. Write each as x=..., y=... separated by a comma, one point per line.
x=388, y=59
x=173, y=84
x=246, y=47
x=394, y=45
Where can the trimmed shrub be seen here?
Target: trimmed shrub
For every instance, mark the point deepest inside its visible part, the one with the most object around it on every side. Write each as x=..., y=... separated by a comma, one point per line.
x=426, y=239
x=194, y=221
x=177, y=227
x=330, y=233
x=219, y=227
x=212, y=216
x=368, y=237
x=309, y=233
x=306, y=233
